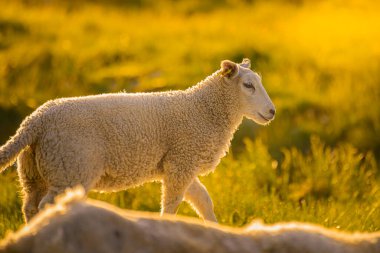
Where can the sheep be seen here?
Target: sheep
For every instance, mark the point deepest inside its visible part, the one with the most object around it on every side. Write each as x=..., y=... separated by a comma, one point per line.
x=111, y=142
x=77, y=226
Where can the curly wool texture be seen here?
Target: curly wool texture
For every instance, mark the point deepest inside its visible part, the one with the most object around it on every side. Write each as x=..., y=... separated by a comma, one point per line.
x=111, y=142
x=77, y=226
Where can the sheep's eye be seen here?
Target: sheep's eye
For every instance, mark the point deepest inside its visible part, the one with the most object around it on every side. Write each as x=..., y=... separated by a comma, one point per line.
x=249, y=86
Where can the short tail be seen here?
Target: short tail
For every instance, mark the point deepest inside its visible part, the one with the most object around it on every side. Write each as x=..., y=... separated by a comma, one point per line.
x=24, y=136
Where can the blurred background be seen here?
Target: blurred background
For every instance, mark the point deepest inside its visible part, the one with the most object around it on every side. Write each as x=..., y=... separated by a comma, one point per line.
x=319, y=60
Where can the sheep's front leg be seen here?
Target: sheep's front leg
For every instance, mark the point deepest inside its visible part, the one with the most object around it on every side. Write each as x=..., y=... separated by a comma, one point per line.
x=173, y=190
x=199, y=198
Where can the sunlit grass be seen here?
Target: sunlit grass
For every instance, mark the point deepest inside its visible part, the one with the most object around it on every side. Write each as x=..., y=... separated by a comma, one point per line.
x=335, y=187
x=319, y=61
x=323, y=55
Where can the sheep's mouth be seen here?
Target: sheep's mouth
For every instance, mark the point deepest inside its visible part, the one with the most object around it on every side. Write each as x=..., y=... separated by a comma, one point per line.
x=263, y=117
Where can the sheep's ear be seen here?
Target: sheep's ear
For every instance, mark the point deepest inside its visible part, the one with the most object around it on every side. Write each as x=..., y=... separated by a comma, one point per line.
x=246, y=63
x=229, y=69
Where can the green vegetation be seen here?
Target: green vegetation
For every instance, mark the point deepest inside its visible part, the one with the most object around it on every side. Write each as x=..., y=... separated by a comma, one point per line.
x=319, y=60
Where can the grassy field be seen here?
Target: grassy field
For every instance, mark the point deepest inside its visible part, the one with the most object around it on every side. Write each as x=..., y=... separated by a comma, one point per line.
x=320, y=62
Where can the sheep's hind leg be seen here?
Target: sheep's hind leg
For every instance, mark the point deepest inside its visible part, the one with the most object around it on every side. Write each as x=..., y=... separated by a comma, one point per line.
x=199, y=198
x=34, y=187
x=78, y=172
x=49, y=197
x=53, y=192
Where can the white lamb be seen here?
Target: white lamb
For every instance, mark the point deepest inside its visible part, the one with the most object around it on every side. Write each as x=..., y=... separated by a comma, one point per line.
x=77, y=226
x=111, y=142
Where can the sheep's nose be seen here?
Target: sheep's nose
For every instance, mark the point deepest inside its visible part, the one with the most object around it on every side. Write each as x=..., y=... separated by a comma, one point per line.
x=272, y=111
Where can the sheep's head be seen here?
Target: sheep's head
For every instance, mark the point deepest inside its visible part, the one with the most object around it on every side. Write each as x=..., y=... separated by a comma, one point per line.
x=255, y=102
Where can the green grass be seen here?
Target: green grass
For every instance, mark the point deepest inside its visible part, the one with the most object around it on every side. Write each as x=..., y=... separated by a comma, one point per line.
x=319, y=61
x=335, y=187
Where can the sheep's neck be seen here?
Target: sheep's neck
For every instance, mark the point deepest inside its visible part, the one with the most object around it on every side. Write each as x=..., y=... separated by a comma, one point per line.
x=218, y=101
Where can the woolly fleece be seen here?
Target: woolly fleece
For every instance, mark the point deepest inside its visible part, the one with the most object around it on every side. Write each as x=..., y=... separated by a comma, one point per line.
x=77, y=226
x=111, y=142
